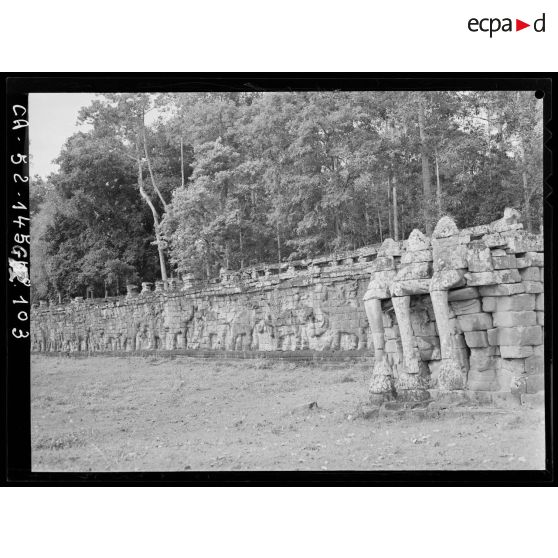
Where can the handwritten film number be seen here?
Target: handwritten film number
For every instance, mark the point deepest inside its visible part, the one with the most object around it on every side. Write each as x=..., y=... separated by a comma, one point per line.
x=18, y=250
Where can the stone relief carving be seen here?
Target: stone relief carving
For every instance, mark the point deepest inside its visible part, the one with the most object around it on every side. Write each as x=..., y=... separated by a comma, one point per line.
x=463, y=309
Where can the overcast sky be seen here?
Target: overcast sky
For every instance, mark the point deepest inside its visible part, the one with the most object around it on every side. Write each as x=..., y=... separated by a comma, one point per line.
x=52, y=120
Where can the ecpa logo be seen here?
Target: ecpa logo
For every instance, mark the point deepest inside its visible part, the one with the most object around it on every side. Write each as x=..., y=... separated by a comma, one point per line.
x=494, y=24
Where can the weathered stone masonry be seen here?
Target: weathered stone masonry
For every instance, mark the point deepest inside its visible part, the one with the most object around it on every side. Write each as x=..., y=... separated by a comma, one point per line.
x=460, y=310
x=315, y=305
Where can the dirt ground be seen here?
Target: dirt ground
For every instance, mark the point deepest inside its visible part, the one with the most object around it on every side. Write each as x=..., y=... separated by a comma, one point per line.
x=163, y=414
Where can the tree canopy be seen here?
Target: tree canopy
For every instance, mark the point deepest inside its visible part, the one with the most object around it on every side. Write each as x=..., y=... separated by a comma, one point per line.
x=234, y=179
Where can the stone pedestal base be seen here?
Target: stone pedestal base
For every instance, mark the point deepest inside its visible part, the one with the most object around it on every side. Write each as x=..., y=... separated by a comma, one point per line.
x=450, y=376
x=408, y=395
x=414, y=386
x=382, y=387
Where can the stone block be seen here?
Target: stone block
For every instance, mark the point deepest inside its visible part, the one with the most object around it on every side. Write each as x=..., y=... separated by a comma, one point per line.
x=459, y=341
x=540, y=318
x=493, y=240
x=386, y=320
x=530, y=274
x=534, y=287
x=391, y=332
x=511, y=319
x=533, y=400
x=454, y=326
x=482, y=380
x=390, y=247
x=462, y=358
x=445, y=228
x=465, y=293
x=502, y=290
x=515, y=303
x=534, y=384
x=434, y=367
x=476, y=338
x=520, y=335
x=499, y=252
x=504, y=378
x=525, y=242
x=427, y=341
x=392, y=346
x=515, y=366
x=535, y=259
x=538, y=350
x=410, y=287
x=447, y=279
x=489, y=303
x=534, y=365
x=497, y=277
x=475, y=322
x=433, y=353
x=416, y=257
x=417, y=241
x=461, y=307
x=383, y=263
x=448, y=256
x=479, y=258
x=419, y=270
x=509, y=261
x=509, y=221
x=516, y=351
x=484, y=358
x=539, y=302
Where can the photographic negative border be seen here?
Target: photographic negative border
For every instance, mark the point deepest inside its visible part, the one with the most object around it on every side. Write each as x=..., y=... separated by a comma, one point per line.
x=17, y=302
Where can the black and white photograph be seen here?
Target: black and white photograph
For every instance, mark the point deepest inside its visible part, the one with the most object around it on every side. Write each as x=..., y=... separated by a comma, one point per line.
x=259, y=280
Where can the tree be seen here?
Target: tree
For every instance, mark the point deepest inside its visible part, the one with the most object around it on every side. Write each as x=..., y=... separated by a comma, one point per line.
x=231, y=179
x=122, y=117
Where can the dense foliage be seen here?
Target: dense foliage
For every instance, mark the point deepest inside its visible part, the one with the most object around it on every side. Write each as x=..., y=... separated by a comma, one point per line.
x=232, y=179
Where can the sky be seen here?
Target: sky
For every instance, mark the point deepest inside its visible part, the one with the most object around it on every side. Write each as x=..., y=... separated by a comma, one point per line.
x=52, y=120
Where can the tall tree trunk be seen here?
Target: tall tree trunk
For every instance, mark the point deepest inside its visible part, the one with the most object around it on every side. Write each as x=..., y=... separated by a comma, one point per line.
x=525, y=181
x=390, y=221
x=426, y=179
x=278, y=242
x=182, y=161
x=241, y=247
x=151, y=170
x=438, y=186
x=395, y=216
x=526, y=205
x=526, y=193
x=277, y=225
x=379, y=224
x=148, y=201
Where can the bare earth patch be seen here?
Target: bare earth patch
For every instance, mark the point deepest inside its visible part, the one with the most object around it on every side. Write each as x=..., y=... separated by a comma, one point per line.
x=161, y=414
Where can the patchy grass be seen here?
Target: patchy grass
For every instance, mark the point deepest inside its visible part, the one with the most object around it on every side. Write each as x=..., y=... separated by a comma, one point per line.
x=161, y=414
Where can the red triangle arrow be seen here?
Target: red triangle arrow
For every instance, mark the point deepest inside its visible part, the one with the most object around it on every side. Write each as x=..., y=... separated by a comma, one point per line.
x=519, y=25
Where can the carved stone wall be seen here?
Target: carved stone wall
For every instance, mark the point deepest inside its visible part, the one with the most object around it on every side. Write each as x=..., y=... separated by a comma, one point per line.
x=461, y=310
x=311, y=305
